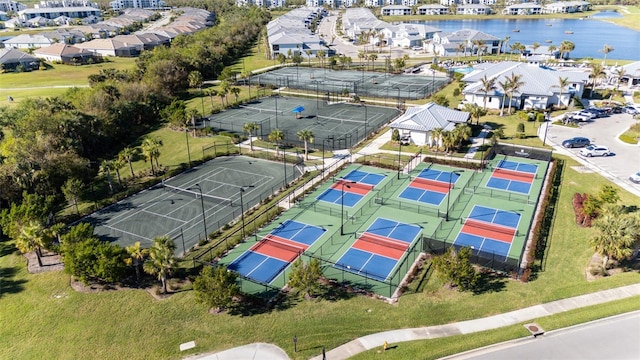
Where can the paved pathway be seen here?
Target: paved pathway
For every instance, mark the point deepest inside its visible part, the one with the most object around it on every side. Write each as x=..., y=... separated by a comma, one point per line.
x=265, y=351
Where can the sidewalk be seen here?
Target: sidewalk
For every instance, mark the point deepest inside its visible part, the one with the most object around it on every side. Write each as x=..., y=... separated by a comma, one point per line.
x=265, y=351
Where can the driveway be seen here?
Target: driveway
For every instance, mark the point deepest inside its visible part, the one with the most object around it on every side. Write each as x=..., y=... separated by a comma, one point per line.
x=603, y=131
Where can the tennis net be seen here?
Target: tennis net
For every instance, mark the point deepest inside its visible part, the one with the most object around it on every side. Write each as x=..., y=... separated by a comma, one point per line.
x=380, y=240
x=261, y=110
x=488, y=226
x=270, y=240
x=340, y=120
x=197, y=193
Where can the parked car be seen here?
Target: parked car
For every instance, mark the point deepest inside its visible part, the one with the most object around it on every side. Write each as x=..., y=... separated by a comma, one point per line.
x=576, y=142
x=630, y=110
x=575, y=116
x=586, y=113
x=635, y=177
x=595, y=150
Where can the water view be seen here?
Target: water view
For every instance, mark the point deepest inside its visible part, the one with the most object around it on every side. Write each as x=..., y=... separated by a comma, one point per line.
x=589, y=35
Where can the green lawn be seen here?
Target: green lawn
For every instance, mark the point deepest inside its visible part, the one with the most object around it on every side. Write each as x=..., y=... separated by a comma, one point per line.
x=131, y=324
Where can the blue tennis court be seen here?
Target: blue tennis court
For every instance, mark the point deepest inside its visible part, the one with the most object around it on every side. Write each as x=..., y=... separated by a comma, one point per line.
x=335, y=196
x=383, y=237
x=430, y=186
x=495, y=237
x=509, y=185
x=270, y=256
x=364, y=177
x=518, y=166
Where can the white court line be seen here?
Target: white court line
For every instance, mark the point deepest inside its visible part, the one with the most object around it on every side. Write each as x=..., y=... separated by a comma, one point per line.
x=163, y=216
x=257, y=266
x=127, y=232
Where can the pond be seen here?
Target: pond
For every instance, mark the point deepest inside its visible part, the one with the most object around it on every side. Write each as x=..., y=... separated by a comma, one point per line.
x=588, y=34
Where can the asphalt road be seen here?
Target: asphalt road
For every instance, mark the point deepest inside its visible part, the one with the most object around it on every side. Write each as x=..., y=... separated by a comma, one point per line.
x=617, y=337
x=603, y=131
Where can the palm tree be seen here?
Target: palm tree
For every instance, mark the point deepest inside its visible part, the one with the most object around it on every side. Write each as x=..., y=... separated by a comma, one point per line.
x=597, y=71
x=514, y=86
x=361, y=56
x=117, y=165
x=276, y=136
x=620, y=73
x=619, y=232
x=566, y=47
x=461, y=133
x=161, y=259
x=373, y=58
x=487, y=86
x=562, y=82
x=105, y=168
x=31, y=238
x=127, y=154
x=306, y=136
x=247, y=75
x=236, y=92
x=448, y=140
x=436, y=134
x=606, y=49
x=505, y=43
x=211, y=93
x=504, y=86
x=475, y=111
x=225, y=87
x=321, y=54
x=479, y=44
x=552, y=49
x=222, y=92
x=151, y=150
x=308, y=52
x=136, y=254
x=461, y=48
x=535, y=46
x=249, y=128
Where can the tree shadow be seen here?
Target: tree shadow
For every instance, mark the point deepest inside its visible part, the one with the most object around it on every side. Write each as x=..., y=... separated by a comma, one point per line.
x=7, y=284
x=489, y=282
x=7, y=248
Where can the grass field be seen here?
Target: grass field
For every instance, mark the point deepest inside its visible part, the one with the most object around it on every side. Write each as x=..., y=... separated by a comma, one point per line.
x=131, y=324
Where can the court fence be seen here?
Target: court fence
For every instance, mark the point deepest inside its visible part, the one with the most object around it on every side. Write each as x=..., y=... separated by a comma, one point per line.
x=528, y=152
x=499, y=263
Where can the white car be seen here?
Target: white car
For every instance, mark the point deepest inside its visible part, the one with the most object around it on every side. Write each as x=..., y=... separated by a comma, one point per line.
x=635, y=177
x=595, y=150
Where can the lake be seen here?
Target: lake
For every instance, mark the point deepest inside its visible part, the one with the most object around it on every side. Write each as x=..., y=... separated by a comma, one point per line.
x=589, y=35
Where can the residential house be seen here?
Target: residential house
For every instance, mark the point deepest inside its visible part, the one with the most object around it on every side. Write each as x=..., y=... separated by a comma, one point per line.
x=10, y=59
x=540, y=89
x=523, y=9
x=138, y=4
x=4, y=16
x=473, y=9
x=289, y=34
x=418, y=123
x=433, y=9
x=75, y=12
x=11, y=6
x=67, y=54
x=110, y=47
x=28, y=41
x=396, y=10
x=466, y=41
x=448, y=3
x=567, y=7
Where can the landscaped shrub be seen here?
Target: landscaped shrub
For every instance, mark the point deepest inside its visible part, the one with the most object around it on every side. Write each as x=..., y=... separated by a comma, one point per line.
x=520, y=131
x=582, y=217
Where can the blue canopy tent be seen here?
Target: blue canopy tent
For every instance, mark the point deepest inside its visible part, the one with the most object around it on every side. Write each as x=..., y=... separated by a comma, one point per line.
x=298, y=110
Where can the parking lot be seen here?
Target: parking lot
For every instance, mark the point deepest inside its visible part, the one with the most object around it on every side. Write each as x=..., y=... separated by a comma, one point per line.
x=625, y=158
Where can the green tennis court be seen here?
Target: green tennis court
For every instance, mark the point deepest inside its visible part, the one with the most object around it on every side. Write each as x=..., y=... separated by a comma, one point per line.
x=335, y=126
x=176, y=208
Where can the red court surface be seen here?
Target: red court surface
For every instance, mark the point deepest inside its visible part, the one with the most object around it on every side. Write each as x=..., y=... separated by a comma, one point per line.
x=488, y=230
x=279, y=248
x=425, y=184
x=356, y=188
x=513, y=175
x=381, y=246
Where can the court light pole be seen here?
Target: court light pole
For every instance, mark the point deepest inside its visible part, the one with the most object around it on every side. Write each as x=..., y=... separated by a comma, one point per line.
x=242, y=190
x=204, y=217
x=366, y=118
x=275, y=97
x=186, y=133
x=457, y=172
x=399, y=156
x=344, y=183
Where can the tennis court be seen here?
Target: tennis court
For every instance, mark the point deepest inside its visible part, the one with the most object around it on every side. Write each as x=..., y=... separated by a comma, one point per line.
x=351, y=188
x=513, y=176
x=265, y=260
x=488, y=230
x=334, y=126
x=362, y=83
x=207, y=196
x=378, y=249
x=430, y=186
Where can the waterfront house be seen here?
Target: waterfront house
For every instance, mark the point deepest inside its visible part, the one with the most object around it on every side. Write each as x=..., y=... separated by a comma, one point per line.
x=433, y=9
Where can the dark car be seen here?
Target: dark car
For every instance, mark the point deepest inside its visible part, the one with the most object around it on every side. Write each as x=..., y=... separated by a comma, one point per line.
x=576, y=142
